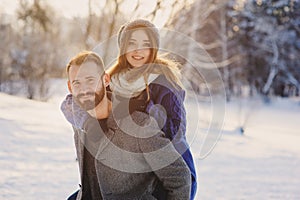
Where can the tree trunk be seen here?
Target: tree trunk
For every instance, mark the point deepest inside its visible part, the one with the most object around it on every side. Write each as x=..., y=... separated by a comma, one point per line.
x=224, y=40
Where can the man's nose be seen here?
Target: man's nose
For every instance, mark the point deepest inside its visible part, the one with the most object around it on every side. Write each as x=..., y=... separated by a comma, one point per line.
x=84, y=88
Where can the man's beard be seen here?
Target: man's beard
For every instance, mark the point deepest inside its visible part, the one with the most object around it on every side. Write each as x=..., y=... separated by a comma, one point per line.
x=90, y=104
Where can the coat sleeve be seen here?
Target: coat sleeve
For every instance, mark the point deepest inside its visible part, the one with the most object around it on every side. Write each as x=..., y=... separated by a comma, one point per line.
x=171, y=102
x=176, y=116
x=73, y=113
x=168, y=165
x=170, y=114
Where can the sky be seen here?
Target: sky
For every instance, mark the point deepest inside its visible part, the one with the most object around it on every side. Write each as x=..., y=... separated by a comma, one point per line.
x=71, y=8
x=68, y=8
x=79, y=8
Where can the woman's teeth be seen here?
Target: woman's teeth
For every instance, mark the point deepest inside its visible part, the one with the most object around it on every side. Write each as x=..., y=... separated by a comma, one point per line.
x=137, y=57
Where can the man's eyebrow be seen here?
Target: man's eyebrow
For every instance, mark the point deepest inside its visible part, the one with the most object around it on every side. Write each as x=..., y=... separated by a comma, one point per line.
x=90, y=77
x=75, y=80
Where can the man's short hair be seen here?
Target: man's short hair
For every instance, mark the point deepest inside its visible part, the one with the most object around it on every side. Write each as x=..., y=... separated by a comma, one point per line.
x=85, y=56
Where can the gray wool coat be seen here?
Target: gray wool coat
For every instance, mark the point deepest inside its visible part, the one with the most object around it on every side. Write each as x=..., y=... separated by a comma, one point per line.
x=129, y=163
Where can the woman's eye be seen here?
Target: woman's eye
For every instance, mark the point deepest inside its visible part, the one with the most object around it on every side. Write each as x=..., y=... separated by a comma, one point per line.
x=147, y=45
x=131, y=43
x=90, y=81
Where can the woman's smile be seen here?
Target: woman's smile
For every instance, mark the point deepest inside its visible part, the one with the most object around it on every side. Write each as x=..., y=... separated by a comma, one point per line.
x=137, y=57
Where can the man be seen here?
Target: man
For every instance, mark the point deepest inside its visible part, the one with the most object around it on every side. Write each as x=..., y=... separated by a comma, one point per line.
x=85, y=82
x=114, y=164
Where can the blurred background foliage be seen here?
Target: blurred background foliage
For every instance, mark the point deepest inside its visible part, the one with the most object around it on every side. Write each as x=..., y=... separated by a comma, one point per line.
x=254, y=43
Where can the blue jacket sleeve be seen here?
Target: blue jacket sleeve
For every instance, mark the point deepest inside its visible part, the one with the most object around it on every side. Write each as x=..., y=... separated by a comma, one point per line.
x=176, y=119
x=170, y=114
x=73, y=113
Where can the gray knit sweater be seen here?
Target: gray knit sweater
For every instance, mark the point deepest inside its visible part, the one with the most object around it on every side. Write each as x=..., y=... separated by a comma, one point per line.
x=129, y=165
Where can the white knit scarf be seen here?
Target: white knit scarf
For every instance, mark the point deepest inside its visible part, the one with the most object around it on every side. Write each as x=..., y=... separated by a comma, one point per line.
x=131, y=82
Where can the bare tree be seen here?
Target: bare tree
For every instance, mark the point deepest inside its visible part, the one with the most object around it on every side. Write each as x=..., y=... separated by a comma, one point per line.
x=31, y=58
x=6, y=34
x=206, y=22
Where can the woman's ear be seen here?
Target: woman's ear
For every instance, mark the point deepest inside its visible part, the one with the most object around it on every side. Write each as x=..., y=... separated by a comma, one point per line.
x=69, y=87
x=106, y=79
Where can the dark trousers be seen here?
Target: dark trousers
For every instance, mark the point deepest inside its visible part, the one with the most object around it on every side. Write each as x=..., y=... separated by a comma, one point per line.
x=73, y=196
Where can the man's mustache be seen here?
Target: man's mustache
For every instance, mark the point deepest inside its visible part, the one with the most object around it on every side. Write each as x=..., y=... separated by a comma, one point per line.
x=85, y=94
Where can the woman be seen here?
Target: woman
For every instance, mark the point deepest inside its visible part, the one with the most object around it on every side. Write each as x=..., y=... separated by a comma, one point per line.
x=149, y=81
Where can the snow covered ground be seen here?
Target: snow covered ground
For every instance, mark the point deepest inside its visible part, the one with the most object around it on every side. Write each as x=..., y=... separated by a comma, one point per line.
x=37, y=154
x=261, y=164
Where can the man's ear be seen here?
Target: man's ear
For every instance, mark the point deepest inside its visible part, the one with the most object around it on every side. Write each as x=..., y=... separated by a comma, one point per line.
x=106, y=79
x=69, y=86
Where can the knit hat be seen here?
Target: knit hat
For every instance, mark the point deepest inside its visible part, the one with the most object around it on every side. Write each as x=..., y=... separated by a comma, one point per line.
x=136, y=24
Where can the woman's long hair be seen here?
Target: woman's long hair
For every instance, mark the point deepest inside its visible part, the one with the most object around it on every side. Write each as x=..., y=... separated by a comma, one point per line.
x=168, y=67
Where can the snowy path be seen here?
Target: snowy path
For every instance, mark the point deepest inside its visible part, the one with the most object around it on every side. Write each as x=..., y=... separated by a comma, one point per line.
x=37, y=155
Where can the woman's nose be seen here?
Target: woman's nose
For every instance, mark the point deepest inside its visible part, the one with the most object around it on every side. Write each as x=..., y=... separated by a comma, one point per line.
x=139, y=48
x=140, y=45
